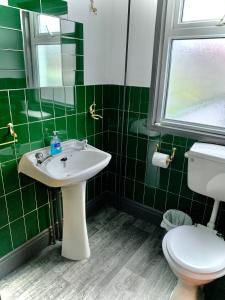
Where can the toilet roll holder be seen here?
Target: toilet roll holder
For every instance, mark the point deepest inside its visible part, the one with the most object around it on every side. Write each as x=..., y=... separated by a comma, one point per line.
x=170, y=159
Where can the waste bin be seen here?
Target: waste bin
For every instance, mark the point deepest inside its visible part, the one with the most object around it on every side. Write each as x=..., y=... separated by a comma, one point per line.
x=173, y=218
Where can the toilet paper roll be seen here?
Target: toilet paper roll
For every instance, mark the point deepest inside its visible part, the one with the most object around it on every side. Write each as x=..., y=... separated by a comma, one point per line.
x=160, y=160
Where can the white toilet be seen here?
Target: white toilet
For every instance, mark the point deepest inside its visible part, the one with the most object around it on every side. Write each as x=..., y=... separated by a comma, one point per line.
x=195, y=253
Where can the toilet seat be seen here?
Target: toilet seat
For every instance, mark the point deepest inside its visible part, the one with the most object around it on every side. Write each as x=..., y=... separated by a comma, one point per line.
x=196, y=249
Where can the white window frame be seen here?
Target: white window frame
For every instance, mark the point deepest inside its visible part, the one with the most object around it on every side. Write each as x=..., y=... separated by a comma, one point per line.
x=169, y=27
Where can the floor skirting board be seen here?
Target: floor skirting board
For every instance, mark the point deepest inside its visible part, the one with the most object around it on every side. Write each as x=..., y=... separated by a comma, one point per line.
x=136, y=209
x=19, y=256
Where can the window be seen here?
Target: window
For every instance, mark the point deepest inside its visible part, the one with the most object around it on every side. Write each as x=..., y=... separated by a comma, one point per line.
x=189, y=84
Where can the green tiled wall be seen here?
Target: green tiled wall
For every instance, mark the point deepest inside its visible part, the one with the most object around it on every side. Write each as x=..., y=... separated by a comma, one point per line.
x=132, y=147
x=56, y=7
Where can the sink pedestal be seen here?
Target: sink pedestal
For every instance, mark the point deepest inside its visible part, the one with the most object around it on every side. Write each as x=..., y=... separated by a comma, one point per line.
x=75, y=243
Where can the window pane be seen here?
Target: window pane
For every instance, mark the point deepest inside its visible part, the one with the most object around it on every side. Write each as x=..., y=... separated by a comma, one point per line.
x=49, y=65
x=48, y=24
x=196, y=90
x=202, y=10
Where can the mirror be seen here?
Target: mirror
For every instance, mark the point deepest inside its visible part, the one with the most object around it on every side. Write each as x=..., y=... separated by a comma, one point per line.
x=53, y=50
x=46, y=51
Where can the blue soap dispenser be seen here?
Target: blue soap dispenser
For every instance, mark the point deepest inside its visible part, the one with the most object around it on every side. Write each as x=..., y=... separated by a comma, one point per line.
x=55, y=145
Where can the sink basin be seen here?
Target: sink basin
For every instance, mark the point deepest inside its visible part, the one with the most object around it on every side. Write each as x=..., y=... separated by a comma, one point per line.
x=69, y=170
x=80, y=165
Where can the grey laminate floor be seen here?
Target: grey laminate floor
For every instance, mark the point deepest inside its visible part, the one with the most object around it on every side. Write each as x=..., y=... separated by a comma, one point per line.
x=126, y=263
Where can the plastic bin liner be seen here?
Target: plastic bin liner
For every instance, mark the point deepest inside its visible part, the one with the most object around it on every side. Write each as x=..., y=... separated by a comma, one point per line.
x=173, y=218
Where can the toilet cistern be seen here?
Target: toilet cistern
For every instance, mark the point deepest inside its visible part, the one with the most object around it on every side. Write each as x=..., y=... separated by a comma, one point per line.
x=206, y=174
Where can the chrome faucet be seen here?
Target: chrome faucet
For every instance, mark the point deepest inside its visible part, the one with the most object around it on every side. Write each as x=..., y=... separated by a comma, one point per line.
x=40, y=158
x=82, y=144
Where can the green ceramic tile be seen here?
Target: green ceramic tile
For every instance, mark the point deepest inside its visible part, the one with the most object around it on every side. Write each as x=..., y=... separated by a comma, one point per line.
x=58, y=8
x=18, y=232
x=184, y=205
x=79, y=47
x=163, y=178
x=14, y=204
x=197, y=212
x=9, y=17
x=34, y=105
x=80, y=98
x=99, y=141
x=99, y=123
x=133, y=118
x=31, y=223
x=200, y=198
x=175, y=182
x=6, y=152
x=18, y=106
x=98, y=186
x=139, y=192
x=33, y=5
x=11, y=60
x=79, y=62
x=140, y=171
x=71, y=127
x=79, y=75
x=91, y=140
x=129, y=189
x=90, y=125
x=135, y=98
x=167, y=138
x=131, y=146
x=41, y=194
x=10, y=176
x=61, y=127
x=149, y=196
x=90, y=96
x=172, y=201
x=28, y=198
x=91, y=189
x=142, y=149
x=48, y=128
x=11, y=39
x=5, y=117
x=3, y=212
x=5, y=238
x=43, y=216
x=35, y=131
x=144, y=100
x=25, y=180
x=185, y=191
x=1, y=185
x=81, y=126
x=160, y=200
x=99, y=96
x=23, y=145
x=180, y=141
x=178, y=162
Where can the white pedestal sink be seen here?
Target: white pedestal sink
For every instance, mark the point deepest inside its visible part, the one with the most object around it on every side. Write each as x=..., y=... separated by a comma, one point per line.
x=68, y=170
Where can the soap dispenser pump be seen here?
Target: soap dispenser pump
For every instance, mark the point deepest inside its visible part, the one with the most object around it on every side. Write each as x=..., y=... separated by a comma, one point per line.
x=55, y=145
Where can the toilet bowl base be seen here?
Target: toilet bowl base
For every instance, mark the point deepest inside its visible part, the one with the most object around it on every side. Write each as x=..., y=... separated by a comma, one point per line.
x=186, y=292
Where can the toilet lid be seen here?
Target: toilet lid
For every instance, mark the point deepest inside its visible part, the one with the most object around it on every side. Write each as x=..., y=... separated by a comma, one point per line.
x=196, y=249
